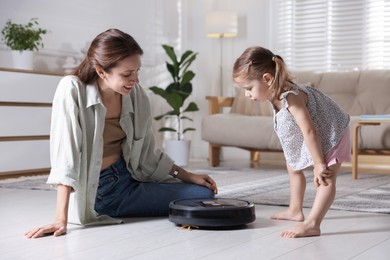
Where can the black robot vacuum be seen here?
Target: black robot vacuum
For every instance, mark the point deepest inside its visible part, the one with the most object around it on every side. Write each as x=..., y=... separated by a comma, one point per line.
x=212, y=213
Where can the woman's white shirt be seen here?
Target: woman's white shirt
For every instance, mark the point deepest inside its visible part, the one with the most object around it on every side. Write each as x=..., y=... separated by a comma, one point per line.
x=76, y=144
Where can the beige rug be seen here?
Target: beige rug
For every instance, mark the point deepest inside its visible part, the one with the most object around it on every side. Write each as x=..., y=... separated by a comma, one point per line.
x=269, y=186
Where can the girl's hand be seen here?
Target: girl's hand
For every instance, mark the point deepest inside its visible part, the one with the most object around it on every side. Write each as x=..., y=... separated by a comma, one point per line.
x=321, y=173
x=56, y=228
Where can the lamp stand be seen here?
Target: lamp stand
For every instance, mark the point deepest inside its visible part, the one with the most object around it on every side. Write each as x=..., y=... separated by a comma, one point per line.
x=221, y=66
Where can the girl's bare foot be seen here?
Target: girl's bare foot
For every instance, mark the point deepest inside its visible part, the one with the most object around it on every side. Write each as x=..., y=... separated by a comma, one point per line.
x=289, y=215
x=301, y=230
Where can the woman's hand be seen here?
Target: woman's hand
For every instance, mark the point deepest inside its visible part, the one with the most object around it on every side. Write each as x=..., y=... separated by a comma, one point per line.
x=321, y=173
x=200, y=179
x=204, y=180
x=56, y=229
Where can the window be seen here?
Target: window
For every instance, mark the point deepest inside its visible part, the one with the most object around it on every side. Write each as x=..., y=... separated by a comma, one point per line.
x=333, y=35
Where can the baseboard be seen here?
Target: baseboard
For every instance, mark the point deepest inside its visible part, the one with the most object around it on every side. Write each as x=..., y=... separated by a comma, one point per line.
x=20, y=173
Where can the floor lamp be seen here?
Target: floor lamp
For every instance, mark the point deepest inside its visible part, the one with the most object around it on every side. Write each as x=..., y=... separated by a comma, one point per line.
x=221, y=24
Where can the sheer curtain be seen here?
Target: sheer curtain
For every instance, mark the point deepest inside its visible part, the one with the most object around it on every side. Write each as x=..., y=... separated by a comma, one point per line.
x=333, y=35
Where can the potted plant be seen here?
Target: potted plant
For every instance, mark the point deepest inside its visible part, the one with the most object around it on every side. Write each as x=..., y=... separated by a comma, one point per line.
x=23, y=40
x=176, y=94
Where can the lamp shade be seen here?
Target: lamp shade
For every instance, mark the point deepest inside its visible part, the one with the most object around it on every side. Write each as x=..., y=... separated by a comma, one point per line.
x=221, y=24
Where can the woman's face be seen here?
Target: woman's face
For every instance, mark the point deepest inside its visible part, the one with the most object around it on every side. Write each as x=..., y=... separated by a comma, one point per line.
x=254, y=89
x=123, y=76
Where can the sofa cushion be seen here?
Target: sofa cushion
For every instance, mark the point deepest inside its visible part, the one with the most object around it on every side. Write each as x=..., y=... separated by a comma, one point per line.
x=245, y=106
x=372, y=93
x=308, y=78
x=342, y=88
x=353, y=93
x=233, y=129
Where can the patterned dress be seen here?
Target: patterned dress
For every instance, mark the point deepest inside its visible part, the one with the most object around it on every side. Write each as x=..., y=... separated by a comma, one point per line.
x=329, y=120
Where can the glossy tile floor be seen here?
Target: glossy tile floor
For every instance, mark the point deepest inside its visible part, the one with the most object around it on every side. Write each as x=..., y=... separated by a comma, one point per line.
x=345, y=235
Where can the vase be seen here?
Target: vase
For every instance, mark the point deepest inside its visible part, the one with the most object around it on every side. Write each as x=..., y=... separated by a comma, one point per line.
x=23, y=60
x=178, y=150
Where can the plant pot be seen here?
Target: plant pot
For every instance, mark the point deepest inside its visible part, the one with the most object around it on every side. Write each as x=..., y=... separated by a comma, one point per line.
x=23, y=59
x=178, y=150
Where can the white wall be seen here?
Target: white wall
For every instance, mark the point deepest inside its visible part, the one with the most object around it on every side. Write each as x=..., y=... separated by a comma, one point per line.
x=253, y=29
x=73, y=23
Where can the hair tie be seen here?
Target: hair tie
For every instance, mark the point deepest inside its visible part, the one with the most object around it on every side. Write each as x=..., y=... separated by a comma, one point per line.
x=274, y=58
x=250, y=62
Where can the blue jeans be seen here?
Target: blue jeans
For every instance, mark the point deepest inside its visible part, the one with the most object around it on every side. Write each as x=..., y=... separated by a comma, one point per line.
x=119, y=195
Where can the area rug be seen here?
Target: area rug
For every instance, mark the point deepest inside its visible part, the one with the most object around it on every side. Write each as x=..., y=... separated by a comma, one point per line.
x=369, y=193
x=30, y=183
x=270, y=186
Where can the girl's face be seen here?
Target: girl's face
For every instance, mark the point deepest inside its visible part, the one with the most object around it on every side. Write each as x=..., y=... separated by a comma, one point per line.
x=254, y=89
x=122, y=77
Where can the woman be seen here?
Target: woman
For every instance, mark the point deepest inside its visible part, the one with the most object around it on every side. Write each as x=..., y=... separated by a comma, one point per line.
x=103, y=156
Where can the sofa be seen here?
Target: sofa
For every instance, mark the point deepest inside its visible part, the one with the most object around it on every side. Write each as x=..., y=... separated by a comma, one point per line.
x=248, y=124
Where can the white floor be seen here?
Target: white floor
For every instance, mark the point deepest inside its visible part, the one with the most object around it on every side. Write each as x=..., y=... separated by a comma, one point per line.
x=345, y=235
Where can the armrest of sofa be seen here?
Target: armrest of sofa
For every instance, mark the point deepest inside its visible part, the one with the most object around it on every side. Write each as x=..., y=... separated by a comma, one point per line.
x=216, y=103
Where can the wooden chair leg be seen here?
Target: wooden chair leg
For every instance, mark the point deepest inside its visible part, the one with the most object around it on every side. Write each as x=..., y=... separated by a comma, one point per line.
x=355, y=152
x=214, y=155
x=255, y=156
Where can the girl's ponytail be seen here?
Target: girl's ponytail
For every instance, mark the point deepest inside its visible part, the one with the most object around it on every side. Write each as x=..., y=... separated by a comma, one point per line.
x=281, y=76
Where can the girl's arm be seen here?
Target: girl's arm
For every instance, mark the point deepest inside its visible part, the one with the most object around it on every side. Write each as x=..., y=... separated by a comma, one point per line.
x=297, y=107
x=59, y=226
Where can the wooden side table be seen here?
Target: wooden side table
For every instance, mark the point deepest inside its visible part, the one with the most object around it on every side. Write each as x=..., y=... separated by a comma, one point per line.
x=355, y=142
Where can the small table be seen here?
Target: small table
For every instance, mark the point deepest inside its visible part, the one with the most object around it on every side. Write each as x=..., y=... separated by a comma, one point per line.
x=355, y=144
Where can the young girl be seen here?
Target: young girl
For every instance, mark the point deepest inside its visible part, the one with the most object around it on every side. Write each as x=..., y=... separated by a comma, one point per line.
x=312, y=129
x=103, y=156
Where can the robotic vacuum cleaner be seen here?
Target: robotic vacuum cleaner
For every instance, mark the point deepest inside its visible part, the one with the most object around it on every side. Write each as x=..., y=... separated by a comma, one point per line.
x=218, y=212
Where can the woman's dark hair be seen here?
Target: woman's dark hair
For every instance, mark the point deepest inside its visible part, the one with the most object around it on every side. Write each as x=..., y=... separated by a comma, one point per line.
x=106, y=50
x=254, y=62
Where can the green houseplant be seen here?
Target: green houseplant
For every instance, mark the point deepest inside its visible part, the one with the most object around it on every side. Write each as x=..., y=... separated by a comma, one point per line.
x=23, y=40
x=178, y=90
x=23, y=37
x=176, y=94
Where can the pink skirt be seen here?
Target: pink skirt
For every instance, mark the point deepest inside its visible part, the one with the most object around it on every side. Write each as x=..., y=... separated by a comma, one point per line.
x=341, y=152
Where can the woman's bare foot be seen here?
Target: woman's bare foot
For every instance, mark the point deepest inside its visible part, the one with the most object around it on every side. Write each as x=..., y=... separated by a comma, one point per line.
x=289, y=215
x=301, y=230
